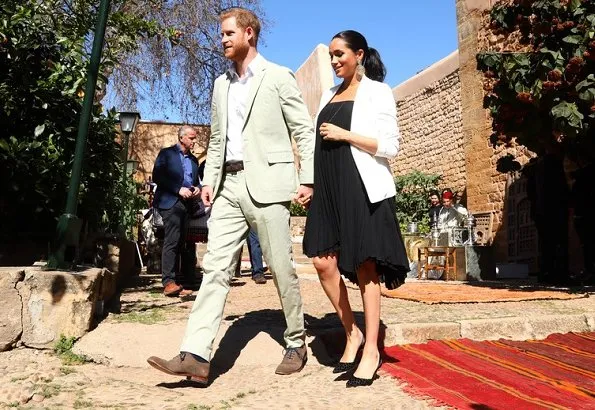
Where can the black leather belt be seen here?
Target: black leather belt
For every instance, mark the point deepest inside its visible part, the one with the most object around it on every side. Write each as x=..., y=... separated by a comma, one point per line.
x=233, y=166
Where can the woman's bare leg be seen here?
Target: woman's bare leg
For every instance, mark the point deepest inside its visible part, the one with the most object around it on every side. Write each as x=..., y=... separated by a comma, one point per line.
x=335, y=290
x=370, y=289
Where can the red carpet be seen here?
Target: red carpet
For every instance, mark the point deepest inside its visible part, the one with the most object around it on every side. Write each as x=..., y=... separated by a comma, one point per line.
x=555, y=373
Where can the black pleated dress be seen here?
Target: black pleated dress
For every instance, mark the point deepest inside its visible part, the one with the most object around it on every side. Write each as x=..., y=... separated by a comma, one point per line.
x=341, y=218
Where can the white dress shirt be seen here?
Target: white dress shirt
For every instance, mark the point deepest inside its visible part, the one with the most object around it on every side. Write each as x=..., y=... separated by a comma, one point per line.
x=237, y=97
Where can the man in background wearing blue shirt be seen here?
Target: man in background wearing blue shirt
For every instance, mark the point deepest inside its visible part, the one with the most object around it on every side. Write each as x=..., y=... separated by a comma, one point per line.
x=176, y=174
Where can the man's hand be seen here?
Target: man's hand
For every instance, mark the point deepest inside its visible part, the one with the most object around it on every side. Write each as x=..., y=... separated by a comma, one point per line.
x=304, y=195
x=196, y=191
x=206, y=194
x=185, y=192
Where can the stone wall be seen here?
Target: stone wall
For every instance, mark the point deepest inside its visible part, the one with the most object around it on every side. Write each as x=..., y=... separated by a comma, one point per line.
x=314, y=77
x=150, y=137
x=487, y=188
x=39, y=306
x=429, y=115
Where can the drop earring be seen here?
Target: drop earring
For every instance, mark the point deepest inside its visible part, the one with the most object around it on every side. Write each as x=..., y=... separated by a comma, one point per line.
x=360, y=70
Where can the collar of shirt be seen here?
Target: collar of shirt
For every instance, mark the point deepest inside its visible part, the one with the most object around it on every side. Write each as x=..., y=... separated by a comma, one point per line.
x=253, y=67
x=237, y=96
x=186, y=166
x=181, y=150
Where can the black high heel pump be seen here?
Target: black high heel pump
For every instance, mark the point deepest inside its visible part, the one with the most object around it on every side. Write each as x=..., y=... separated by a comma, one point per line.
x=357, y=382
x=343, y=367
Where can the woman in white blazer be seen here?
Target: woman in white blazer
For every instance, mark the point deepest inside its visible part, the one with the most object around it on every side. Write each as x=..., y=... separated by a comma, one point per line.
x=352, y=229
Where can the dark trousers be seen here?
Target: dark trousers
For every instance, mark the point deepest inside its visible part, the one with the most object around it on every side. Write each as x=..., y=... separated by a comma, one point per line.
x=174, y=247
x=255, y=253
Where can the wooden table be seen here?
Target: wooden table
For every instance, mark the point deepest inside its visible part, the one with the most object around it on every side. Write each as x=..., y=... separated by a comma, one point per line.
x=449, y=265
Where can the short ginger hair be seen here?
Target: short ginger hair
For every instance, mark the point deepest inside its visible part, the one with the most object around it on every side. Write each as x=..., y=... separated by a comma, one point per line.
x=244, y=19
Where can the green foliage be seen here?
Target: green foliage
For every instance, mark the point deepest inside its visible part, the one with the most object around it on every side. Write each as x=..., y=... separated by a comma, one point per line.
x=296, y=209
x=120, y=214
x=147, y=317
x=43, y=60
x=413, y=191
x=544, y=98
x=64, y=344
x=63, y=348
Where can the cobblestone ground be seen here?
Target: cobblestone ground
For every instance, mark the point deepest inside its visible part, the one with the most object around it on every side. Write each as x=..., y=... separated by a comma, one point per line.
x=39, y=379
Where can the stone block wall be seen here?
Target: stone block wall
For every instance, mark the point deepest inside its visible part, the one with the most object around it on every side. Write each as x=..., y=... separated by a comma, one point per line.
x=150, y=137
x=429, y=115
x=487, y=188
x=314, y=77
x=39, y=306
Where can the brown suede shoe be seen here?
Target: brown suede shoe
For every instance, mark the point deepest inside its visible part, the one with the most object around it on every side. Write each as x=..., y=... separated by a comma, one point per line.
x=294, y=360
x=172, y=289
x=183, y=365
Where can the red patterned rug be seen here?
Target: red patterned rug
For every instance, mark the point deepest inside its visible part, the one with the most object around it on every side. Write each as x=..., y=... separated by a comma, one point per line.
x=432, y=292
x=555, y=373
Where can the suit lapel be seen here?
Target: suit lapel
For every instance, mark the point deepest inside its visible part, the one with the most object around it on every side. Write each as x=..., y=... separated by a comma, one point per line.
x=324, y=100
x=358, y=115
x=177, y=161
x=222, y=109
x=256, y=82
x=223, y=95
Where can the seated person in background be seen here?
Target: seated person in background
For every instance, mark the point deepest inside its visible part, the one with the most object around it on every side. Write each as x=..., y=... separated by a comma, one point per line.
x=458, y=205
x=449, y=216
x=434, y=206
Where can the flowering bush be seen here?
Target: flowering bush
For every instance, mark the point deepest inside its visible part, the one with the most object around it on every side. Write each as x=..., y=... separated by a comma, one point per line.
x=546, y=96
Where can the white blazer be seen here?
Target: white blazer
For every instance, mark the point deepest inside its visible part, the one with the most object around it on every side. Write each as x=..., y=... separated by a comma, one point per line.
x=375, y=116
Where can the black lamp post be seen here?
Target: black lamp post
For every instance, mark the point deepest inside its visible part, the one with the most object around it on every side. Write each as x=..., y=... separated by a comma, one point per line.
x=69, y=226
x=128, y=121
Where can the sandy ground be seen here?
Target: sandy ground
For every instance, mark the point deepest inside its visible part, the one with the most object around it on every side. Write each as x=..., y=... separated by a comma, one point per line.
x=248, y=350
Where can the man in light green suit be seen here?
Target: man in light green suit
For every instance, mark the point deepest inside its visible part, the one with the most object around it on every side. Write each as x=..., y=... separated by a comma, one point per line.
x=250, y=179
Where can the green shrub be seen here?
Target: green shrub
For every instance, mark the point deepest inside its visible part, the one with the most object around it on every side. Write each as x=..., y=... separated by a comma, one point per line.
x=296, y=209
x=543, y=98
x=413, y=190
x=63, y=348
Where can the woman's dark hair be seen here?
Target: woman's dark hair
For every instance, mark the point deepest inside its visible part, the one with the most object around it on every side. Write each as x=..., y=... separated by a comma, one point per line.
x=434, y=192
x=375, y=69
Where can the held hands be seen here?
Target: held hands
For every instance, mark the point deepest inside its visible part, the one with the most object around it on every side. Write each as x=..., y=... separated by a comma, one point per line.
x=185, y=193
x=330, y=132
x=206, y=194
x=304, y=195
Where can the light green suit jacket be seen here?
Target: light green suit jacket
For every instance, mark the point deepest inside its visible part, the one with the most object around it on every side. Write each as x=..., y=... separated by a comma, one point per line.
x=275, y=113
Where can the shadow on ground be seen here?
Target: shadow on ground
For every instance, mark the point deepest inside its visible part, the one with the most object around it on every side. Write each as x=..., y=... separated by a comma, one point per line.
x=327, y=344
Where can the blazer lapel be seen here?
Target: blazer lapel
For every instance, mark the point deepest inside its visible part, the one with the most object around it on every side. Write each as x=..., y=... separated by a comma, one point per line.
x=222, y=106
x=358, y=116
x=256, y=82
x=324, y=100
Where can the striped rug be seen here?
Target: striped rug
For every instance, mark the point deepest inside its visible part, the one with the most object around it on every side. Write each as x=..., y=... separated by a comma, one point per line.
x=555, y=373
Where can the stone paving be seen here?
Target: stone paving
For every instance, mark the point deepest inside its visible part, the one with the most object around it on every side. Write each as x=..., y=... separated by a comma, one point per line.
x=248, y=351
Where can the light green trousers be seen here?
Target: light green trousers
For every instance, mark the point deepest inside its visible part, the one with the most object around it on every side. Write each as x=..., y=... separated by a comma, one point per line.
x=232, y=215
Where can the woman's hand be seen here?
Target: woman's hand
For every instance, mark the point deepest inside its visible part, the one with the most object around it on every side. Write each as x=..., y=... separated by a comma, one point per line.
x=331, y=132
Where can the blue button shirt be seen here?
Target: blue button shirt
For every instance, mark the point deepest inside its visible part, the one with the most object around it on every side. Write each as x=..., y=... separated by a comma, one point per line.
x=187, y=166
